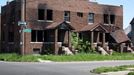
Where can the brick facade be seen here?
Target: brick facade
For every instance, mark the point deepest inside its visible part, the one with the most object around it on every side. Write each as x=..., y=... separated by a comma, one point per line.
x=13, y=10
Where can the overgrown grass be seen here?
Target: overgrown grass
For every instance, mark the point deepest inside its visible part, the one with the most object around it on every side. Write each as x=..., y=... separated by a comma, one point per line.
x=18, y=58
x=64, y=58
x=111, y=69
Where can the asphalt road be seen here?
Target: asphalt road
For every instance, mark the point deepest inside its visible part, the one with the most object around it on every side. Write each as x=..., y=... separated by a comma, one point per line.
x=55, y=68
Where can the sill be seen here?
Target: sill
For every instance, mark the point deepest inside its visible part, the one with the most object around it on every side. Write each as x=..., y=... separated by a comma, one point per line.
x=108, y=24
x=49, y=21
x=36, y=42
x=68, y=22
x=44, y=20
x=41, y=20
x=90, y=23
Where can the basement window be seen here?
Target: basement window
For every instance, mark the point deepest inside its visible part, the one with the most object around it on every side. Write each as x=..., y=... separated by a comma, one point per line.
x=36, y=51
x=41, y=14
x=67, y=16
x=49, y=15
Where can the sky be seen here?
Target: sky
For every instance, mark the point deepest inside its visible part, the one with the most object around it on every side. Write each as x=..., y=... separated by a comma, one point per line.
x=128, y=6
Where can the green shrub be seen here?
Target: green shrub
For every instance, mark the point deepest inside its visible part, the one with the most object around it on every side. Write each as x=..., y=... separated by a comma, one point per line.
x=82, y=45
x=131, y=73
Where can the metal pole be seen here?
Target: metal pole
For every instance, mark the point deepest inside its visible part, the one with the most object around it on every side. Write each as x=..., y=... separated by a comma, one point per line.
x=22, y=20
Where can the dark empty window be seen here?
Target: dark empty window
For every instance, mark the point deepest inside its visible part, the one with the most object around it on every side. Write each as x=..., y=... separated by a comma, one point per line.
x=39, y=36
x=112, y=19
x=67, y=16
x=11, y=37
x=109, y=19
x=49, y=14
x=33, y=36
x=106, y=18
x=79, y=14
x=41, y=14
x=91, y=18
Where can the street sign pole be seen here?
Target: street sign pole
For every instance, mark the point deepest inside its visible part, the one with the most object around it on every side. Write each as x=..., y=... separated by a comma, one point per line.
x=22, y=20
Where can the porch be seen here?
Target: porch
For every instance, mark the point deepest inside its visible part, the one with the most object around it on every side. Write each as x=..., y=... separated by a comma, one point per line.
x=51, y=39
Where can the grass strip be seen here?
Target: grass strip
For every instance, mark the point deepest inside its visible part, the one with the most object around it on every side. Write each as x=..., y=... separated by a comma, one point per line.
x=111, y=69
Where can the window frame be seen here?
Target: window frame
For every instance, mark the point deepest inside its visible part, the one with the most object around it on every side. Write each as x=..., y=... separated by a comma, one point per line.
x=90, y=18
x=41, y=16
x=67, y=17
x=48, y=18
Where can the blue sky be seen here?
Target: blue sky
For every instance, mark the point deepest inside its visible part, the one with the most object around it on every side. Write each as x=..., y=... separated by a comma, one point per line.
x=127, y=5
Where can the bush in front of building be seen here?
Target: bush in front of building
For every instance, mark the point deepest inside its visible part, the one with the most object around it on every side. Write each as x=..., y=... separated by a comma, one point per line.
x=82, y=45
x=131, y=73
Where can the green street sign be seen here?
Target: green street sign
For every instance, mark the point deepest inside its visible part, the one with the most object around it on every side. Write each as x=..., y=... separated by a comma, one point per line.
x=27, y=30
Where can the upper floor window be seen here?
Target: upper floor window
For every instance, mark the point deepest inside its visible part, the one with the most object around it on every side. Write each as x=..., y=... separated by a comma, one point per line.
x=49, y=14
x=41, y=14
x=112, y=19
x=80, y=14
x=91, y=18
x=109, y=19
x=67, y=16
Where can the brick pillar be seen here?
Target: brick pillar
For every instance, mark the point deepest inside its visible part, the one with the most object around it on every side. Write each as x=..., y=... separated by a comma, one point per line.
x=92, y=39
x=55, y=41
x=104, y=40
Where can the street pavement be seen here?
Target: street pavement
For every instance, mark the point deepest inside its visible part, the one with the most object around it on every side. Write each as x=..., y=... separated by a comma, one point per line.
x=55, y=68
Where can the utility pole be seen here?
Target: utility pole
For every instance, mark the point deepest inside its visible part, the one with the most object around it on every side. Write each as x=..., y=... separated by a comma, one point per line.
x=22, y=26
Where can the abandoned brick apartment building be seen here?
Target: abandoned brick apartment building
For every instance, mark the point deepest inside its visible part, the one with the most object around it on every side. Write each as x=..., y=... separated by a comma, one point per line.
x=52, y=22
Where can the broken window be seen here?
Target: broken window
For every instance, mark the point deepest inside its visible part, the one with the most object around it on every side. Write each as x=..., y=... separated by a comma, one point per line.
x=79, y=14
x=41, y=14
x=109, y=19
x=11, y=37
x=91, y=18
x=67, y=16
x=49, y=14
